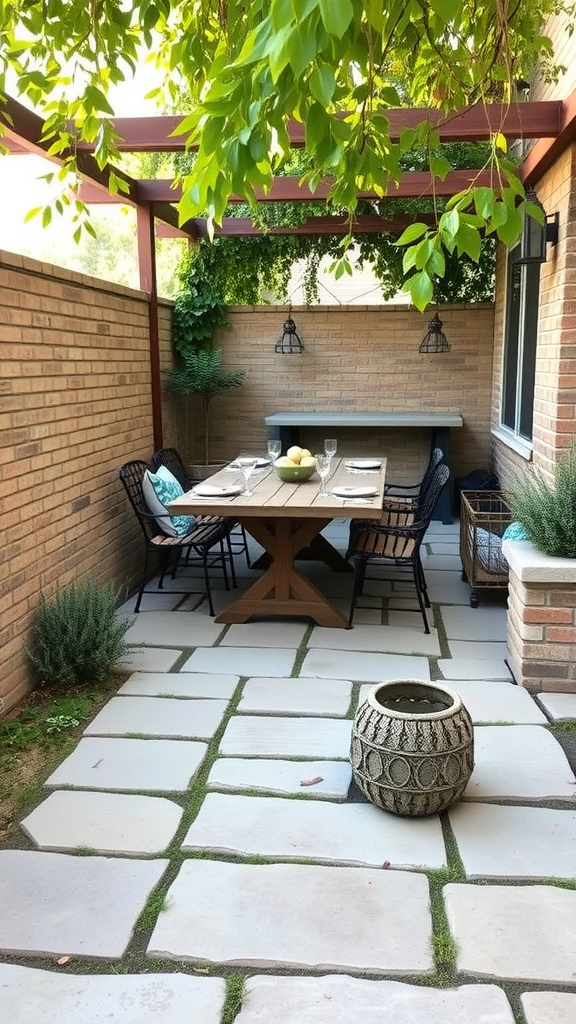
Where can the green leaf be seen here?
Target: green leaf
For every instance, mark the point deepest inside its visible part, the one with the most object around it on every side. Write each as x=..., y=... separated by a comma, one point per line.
x=411, y=233
x=439, y=166
x=336, y=16
x=484, y=202
x=449, y=224
x=468, y=241
x=510, y=231
x=421, y=289
x=322, y=84
x=445, y=9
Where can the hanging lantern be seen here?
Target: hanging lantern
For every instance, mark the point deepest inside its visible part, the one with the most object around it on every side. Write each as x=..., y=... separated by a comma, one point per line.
x=534, y=235
x=434, y=340
x=289, y=343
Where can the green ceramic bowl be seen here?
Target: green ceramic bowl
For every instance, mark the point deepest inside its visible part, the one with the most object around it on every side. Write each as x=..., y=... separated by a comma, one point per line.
x=294, y=474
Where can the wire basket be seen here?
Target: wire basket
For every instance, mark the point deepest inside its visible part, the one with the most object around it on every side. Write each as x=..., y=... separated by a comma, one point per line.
x=484, y=517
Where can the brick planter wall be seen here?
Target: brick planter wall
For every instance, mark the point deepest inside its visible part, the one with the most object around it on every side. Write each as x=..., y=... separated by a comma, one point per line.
x=541, y=619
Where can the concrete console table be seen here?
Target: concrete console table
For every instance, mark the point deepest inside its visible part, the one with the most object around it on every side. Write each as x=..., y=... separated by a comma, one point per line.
x=286, y=427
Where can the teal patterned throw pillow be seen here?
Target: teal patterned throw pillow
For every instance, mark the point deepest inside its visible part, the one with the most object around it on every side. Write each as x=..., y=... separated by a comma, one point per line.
x=159, y=490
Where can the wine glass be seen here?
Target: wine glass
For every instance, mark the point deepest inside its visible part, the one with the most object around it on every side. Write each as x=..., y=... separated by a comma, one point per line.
x=323, y=469
x=274, y=449
x=247, y=466
x=330, y=447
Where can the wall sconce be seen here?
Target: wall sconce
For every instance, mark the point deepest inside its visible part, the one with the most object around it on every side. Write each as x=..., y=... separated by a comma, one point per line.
x=434, y=340
x=289, y=343
x=535, y=236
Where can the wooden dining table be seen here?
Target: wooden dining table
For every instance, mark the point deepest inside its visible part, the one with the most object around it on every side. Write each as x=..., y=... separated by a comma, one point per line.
x=287, y=520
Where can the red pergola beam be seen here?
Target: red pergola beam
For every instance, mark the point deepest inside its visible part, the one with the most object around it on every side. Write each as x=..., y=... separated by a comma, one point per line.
x=414, y=184
x=364, y=224
x=546, y=151
x=524, y=120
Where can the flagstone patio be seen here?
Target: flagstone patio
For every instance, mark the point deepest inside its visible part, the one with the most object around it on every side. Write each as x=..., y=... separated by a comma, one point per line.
x=215, y=791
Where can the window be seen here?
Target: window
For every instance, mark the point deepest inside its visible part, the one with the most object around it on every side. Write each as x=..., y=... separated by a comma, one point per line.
x=519, y=368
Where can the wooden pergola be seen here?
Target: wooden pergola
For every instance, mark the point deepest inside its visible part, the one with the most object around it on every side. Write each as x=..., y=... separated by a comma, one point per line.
x=551, y=125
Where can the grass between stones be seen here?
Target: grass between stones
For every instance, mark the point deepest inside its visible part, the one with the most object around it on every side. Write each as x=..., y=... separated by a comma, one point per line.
x=235, y=985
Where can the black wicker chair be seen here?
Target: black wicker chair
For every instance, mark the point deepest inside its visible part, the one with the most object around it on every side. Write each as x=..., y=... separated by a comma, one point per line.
x=401, y=501
x=397, y=543
x=171, y=459
x=208, y=533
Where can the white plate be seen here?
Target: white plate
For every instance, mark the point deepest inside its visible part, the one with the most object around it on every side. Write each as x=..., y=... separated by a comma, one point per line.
x=364, y=464
x=260, y=463
x=355, y=492
x=210, y=491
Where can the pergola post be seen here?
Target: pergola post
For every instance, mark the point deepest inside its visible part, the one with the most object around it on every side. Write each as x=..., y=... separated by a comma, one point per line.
x=147, y=269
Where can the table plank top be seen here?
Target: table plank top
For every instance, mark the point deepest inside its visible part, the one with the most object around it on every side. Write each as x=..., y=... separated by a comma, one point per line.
x=364, y=419
x=271, y=498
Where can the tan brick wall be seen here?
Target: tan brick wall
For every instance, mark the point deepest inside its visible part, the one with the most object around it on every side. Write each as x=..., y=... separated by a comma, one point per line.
x=75, y=388
x=361, y=359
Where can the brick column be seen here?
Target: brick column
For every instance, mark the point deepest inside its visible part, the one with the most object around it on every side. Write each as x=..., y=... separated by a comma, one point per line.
x=541, y=619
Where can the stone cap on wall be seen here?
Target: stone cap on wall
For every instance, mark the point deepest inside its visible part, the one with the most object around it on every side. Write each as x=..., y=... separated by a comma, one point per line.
x=533, y=566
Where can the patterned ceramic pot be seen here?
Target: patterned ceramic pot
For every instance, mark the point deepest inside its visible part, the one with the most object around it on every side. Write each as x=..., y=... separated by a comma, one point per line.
x=412, y=749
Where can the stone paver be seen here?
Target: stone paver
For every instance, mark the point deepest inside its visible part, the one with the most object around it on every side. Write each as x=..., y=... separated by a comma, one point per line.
x=390, y=639
x=51, y=997
x=336, y=999
x=244, y=661
x=181, y=684
x=165, y=717
x=474, y=623
x=515, y=842
x=81, y=906
x=518, y=762
x=173, y=629
x=123, y=765
x=105, y=822
x=483, y=650
x=283, y=829
x=548, y=1007
x=474, y=668
x=274, y=776
x=323, y=697
x=148, y=659
x=559, y=706
x=251, y=736
x=364, y=667
x=259, y=915
x=276, y=634
x=492, y=700
x=526, y=933
x=489, y=701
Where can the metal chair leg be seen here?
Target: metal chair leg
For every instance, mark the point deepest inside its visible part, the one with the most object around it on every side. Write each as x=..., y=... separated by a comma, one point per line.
x=419, y=594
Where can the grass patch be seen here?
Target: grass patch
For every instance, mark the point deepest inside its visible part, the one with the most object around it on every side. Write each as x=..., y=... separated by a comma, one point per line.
x=36, y=736
x=155, y=904
x=235, y=985
x=443, y=944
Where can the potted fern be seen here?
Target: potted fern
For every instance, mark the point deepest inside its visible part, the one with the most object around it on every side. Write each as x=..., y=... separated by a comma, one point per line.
x=197, y=311
x=202, y=375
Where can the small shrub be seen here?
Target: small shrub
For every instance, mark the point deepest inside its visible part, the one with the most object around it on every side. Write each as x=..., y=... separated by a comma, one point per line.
x=548, y=512
x=77, y=636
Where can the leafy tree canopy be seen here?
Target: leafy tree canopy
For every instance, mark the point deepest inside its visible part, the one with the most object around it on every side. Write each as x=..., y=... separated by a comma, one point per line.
x=248, y=66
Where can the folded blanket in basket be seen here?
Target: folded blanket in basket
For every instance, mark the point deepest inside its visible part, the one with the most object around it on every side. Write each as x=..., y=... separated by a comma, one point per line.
x=489, y=552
